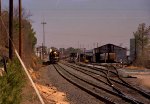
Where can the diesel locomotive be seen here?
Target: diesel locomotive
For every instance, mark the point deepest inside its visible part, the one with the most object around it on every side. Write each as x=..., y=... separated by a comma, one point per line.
x=53, y=56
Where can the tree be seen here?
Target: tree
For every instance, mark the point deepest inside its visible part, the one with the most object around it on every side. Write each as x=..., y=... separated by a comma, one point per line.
x=28, y=34
x=54, y=48
x=3, y=31
x=142, y=41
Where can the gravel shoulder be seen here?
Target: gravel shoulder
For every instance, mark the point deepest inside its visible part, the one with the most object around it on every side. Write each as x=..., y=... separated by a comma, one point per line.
x=56, y=90
x=49, y=93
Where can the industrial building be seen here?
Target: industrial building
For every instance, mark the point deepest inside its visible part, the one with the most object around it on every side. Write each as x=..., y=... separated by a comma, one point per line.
x=110, y=53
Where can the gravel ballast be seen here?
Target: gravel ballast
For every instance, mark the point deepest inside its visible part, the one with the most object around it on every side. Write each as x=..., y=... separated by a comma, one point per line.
x=74, y=94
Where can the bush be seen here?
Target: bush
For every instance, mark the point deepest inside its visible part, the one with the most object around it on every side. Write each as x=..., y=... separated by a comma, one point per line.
x=11, y=83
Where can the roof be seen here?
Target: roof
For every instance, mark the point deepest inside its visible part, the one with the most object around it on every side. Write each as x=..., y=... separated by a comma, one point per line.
x=111, y=44
x=89, y=51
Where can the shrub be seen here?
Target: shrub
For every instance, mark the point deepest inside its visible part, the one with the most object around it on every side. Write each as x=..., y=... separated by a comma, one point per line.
x=11, y=83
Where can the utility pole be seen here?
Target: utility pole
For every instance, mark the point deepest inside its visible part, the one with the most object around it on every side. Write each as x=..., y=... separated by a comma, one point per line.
x=0, y=8
x=20, y=28
x=43, y=23
x=43, y=44
x=11, y=29
x=0, y=17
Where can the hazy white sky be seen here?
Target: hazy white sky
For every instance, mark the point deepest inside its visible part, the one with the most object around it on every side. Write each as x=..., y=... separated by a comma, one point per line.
x=86, y=22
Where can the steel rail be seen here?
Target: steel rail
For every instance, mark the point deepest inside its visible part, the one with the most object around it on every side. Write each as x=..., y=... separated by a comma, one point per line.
x=124, y=83
x=133, y=101
x=106, y=100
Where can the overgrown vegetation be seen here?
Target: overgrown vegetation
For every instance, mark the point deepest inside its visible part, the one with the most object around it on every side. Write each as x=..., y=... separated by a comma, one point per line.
x=11, y=83
x=28, y=35
x=70, y=50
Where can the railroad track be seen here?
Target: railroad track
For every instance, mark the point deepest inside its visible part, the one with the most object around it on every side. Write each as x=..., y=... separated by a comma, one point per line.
x=64, y=73
x=115, y=92
x=115, y=84
x=140, y=91
x=121, y=81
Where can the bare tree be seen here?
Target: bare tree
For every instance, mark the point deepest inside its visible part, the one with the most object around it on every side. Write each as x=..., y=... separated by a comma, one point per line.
x=142, y=42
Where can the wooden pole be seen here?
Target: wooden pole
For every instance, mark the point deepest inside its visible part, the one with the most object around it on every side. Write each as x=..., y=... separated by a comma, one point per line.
x=0, y=17
x=10, y=29
x=0, y=8
x=20, y=25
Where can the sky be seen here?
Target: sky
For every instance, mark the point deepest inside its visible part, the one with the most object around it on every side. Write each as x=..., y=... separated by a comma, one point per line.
x=84, y=23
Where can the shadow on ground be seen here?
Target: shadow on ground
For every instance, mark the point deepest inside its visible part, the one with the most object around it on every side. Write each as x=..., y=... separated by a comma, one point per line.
x=46, y=63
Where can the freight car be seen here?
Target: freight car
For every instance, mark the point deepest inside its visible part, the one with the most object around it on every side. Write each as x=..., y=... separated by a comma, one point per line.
x=53, y=56
x=73, y=57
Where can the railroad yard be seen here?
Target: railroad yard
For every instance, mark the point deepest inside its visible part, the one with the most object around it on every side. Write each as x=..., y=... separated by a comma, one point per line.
x=74, y=52
x=82, y=83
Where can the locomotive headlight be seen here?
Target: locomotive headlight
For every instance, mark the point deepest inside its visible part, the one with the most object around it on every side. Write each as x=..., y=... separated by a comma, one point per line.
x=50, y=50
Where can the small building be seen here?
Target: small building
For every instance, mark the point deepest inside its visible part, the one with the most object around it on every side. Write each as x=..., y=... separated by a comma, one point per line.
x=110, y=53
x=41, y=50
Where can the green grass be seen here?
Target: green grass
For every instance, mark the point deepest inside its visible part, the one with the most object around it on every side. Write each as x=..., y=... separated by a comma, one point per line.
x=11, y=84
